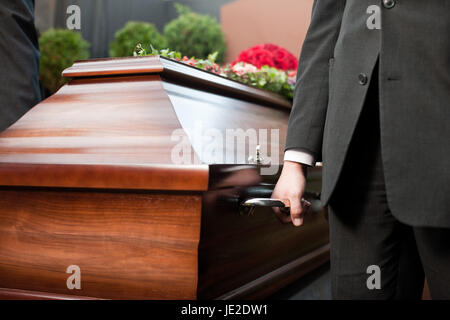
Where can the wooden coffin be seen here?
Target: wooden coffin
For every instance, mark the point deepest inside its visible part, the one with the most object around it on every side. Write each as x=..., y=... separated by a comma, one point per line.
x=95, y=177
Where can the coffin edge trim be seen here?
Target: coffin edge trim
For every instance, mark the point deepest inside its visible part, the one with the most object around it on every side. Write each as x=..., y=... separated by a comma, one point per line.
x=104, y=176
x=17, y=294
x=270, y=283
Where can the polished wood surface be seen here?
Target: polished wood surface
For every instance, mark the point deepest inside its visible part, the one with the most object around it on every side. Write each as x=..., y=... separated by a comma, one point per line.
x=237, y=249
x=220, y=117
x=114, y=66
x=106, y=176
x=277, y=279
x=99, y=133
x=128, y=245
x=115, y=120
x=15, y=294
x=173, y=70
x=206, y=81
x=90, y=177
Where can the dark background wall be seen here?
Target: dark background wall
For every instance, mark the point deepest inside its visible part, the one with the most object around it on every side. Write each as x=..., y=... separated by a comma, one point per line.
x=100, y=19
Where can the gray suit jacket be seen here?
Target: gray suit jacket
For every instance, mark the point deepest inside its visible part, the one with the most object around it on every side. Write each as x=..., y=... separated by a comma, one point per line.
x=19, y=60
x=336, y=65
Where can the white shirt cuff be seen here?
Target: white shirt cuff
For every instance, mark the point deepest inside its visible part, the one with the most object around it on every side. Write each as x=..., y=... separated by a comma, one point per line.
x=300, y=156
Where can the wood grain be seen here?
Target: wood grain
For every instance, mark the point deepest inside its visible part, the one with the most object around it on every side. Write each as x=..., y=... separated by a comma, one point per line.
x=15, y=294
x=89, y=177
x=127, y=245
x=114, y=66
x=174, y=70
x=105, y=176
x=100, y=133
x=124, y=120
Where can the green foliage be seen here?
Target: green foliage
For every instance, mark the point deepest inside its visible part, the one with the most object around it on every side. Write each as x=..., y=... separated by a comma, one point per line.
x=133, y=33
x=266, y=78
x=182, y=9
x=208, y=64
x=195, y=34
x=59, y=50
x=140, y=51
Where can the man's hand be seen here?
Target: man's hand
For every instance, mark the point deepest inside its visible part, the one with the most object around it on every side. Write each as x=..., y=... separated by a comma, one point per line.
x=290, y=186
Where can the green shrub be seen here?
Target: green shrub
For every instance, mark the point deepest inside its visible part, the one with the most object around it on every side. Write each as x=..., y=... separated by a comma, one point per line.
x=195, y=34
x=59, y=49
x=133, y=33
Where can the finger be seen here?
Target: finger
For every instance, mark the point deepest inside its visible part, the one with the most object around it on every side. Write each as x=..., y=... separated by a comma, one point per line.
x=296, y=212
x=283, y=217
x=278, y=213
x=285, y=210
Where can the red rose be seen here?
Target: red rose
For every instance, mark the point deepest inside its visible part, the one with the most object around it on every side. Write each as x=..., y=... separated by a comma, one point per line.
x=268, y=54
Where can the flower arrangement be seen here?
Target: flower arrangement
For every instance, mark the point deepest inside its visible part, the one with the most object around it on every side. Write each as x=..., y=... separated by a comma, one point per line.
x=264, y=77
x=208, y=64
x=270, y=55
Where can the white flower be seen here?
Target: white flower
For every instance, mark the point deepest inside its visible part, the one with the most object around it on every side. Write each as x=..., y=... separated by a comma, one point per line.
x=242, y=68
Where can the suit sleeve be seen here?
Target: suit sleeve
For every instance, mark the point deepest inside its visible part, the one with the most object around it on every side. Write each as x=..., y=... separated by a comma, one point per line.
x=307, y=119
x=19, y=60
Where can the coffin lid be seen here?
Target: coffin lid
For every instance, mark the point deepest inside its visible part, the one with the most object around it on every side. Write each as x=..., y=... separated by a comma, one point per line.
x=110, y=127
x=171, y=68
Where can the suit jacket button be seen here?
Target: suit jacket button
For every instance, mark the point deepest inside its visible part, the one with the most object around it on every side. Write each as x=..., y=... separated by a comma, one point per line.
x=363, y=79
x=388, y=4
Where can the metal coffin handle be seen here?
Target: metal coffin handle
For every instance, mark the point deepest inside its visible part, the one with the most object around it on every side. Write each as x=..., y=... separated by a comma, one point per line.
x=259, y=196
x=265, y=202
x=252, y=203
x=248, y=206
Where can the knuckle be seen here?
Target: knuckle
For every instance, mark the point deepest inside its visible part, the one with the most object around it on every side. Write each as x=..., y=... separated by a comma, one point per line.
x=295, y=213
x=293, y=195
